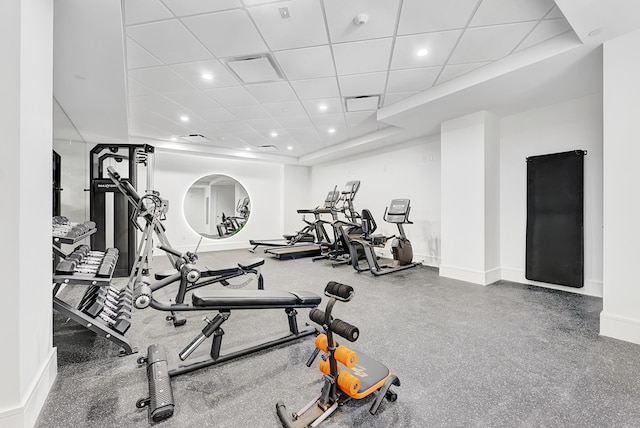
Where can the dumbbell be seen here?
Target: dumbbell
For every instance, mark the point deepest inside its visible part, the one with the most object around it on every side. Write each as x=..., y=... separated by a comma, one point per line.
x=97, y=291
x=66, y=267
x=99, y=303
x=118, y=322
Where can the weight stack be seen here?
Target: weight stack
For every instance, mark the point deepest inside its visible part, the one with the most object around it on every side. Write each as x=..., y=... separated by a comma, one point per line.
x=161, y=403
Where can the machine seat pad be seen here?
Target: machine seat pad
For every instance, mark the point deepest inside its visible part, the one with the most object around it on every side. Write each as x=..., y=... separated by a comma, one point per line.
x=253, y=299
x=251, y=263
x=372, y=374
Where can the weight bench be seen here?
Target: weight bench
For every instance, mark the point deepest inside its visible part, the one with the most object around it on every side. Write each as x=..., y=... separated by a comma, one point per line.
x=160, y=401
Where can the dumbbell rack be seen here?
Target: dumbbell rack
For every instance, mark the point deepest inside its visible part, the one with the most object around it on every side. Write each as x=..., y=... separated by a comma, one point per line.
x=95, y=273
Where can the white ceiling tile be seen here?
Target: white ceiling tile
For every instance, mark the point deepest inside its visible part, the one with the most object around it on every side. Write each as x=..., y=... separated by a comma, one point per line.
x=193, y=100
x=217, y=115
x=555, y=13
x=362, y=57
x=231, y=96
x=160, y=79
x=263, y=124
x=250, y=112
x=192, y=7
x=137, y=11
x=161, y=105
x=340, y=19
x=331, y=105
x=545, y=30
x=394, y=98
x=438, y=45
x=356, y=118
x=232, y=126
x=361, y=123
x=253, y=138
x=255, y=2
x=330, y=138
x=316, y=88
x=136, y=88
x=226, y=34
x=169, y=41
x=192, y=73
x=420, y=16
x=272, y=92
x=329, y=120
x=489, y=43
x=305, y=20
x=138, y=57
x=295, y=122
x=452, y=71
x=304, y=135
x=492, y=12
x=285, y=109
x=413, y=79
x=356, y=85
x=306, y=63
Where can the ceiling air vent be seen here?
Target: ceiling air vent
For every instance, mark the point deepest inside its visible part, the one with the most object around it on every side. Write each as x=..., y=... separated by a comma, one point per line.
x=268, y=148
x=195, y=138
x=362, y=103
x=255, y=69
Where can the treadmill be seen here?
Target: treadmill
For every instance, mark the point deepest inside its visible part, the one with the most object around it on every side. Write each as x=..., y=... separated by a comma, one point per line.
x=298, y=250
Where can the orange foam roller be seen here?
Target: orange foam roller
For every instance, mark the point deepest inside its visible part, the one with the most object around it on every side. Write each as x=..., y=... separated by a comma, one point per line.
x=346, y=356
x=322, y=341
x=348, y=383
x=325, y=367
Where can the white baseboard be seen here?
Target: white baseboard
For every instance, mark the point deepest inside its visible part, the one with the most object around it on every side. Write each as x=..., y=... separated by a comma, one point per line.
x=26, y=415
x=469, y=275
x=591, y=287
x=627, y=329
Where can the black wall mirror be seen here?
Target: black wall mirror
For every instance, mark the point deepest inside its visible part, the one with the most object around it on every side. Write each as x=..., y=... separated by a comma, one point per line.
x=217, y=206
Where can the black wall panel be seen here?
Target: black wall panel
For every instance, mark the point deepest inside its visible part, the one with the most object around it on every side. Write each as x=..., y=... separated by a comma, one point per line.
x=555, y=219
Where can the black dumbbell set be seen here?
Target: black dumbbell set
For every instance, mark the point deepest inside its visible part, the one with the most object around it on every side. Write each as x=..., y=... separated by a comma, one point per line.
x=63, y=228
x=83, y=261
x=109, y=304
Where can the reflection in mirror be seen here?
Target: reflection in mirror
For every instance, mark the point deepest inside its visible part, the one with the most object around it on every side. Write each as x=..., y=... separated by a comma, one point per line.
x=216, y=206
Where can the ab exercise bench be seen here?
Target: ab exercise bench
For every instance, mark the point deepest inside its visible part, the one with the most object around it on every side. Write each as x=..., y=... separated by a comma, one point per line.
x=160, y=400
x=347, y=374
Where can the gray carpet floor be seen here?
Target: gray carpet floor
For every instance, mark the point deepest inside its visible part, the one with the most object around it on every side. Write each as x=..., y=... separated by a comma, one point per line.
x=504, y=355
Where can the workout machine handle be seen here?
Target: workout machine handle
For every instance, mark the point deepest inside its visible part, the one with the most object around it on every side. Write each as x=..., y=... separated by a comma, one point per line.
x=341, y=328
x=170, y=251
x=339, y=291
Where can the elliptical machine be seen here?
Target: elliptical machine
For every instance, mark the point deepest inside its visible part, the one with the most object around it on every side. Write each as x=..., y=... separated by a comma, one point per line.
x=401, y=250
x=347, y=374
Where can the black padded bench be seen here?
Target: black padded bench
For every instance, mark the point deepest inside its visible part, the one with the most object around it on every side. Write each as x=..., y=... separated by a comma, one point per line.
x=254, y=299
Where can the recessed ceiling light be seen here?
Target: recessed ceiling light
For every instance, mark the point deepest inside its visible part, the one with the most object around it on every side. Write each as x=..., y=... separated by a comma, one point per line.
x=274, y=134
x=247, y=148
x=322, y=107
x=207, y=76
x=174, y=139
x=289, y=148
x=332, y=131
x=422, y=52
x=184, y=118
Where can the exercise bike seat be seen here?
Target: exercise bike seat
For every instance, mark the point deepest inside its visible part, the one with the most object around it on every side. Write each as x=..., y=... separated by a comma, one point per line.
x=372, y=375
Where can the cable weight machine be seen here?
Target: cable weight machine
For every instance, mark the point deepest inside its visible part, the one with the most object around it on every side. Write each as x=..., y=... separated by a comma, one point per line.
x=109, y=208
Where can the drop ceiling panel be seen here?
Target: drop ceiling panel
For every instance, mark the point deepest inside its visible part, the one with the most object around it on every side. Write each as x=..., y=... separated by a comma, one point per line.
x=489, y=43
x=135, y=88
x=306, y=136
x=193, y=100
x=305, y=20
x=169, y=41
x=493, y=12
x=328, y=121
x=555, y=13
x=362, y=84
x=231, y=96
x=438, y=45
x=232, y=126
x=316, y=88
x=227, y=34
x=306, y=63
x=394, y=98
x=252, y=138
x=323, y=106
x=138, y=57
x=160, y=79
x=455, y=70
x=137, y=11
x=263, y=124
x=414, y=79
x=250, y=112
x=272, y=92
x=285, y=109
x=218, y=115
x=420, y=16
x=192, y=72
x=340, y=19
x=193, y=7
x=295, y=122
x=362, y=57
x=545, y=30
x=161, y=105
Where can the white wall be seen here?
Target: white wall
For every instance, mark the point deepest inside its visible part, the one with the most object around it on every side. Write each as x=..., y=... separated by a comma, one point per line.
x=74, y=201
x=620, y=316
x=176, y=172
x=410, y=170
x=296, y=184
x=576, y=124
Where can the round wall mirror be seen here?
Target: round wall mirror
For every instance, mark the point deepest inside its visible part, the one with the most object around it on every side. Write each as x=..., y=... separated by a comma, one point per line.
x=216, y=206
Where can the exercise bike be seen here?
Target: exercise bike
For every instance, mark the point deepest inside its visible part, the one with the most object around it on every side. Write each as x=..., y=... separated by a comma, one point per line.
x=347, y=374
